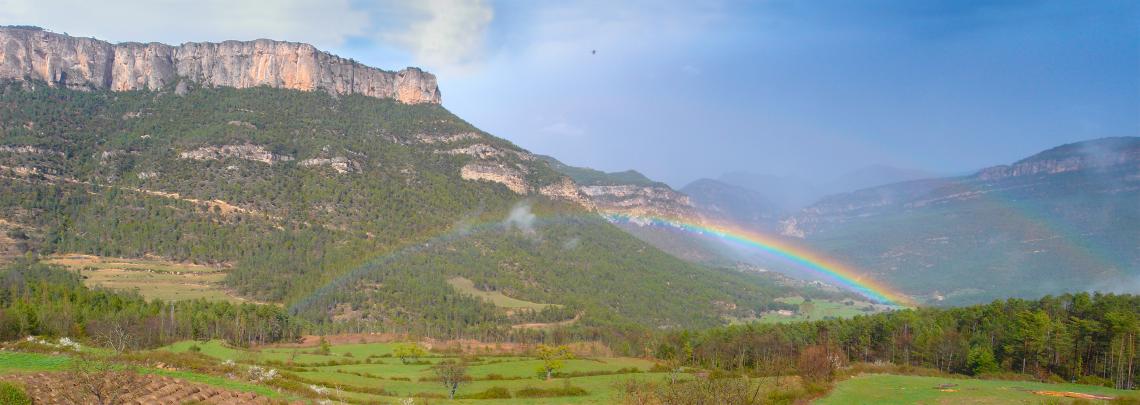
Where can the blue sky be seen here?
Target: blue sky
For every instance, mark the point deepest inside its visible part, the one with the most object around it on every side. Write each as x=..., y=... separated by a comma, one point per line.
x=683, y=90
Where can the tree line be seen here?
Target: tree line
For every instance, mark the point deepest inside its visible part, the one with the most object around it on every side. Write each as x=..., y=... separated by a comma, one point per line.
x=39, y=299
x=1088, y=338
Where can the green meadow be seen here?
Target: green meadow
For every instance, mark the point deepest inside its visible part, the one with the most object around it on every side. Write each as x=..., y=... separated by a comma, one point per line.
x=369, y=372
x=820, y=309
x=496, y=298
x=890, y=389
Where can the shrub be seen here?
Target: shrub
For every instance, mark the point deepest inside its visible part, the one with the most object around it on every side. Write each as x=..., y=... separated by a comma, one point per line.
x=489, y=393
x=13, y=394
x=1095, y=380
x=567, y=391
x=818, y=363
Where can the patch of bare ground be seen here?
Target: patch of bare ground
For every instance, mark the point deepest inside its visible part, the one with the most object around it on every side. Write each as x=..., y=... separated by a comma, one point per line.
x=343, y=338
x=547, y=325
x=1077, y=395
x=152, y=277
x=467, y=346
x=59, y=389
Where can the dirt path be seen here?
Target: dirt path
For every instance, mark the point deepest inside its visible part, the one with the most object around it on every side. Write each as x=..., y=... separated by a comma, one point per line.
x=540, y=325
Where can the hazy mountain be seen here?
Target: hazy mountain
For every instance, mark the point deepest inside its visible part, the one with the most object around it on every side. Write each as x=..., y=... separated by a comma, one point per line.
x=734, y=204
x=1065, y=219
x=790, y=193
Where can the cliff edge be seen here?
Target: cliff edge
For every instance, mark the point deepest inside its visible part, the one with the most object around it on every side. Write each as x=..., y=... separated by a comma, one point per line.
x=28, y=53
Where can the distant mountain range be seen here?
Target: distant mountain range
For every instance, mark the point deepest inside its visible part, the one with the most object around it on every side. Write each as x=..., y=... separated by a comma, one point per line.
x=790, y=193
x=1062, y=220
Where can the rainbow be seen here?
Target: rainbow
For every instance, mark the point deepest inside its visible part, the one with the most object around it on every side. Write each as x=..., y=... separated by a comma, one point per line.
x=829, y=270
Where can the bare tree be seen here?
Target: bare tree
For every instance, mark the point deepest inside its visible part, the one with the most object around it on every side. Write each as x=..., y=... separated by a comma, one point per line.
x=100, y=382
x=116, y=334
x=451, y=373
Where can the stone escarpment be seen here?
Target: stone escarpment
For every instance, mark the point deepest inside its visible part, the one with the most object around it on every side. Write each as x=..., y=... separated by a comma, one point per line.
x=1101, y=153
x=640, y=201
x=90, y=64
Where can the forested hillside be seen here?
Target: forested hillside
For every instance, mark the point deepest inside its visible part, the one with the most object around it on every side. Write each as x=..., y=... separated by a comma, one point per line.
x=348, y=208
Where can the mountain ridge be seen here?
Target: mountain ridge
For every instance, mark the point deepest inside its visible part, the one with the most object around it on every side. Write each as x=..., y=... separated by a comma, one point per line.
x=1060, y=220
x=86, y=63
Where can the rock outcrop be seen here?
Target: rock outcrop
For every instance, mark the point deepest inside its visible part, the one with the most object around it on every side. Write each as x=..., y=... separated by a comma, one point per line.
x=640, y=201
x=1101, y=153
x=88, y=64
x=498, y=173
x=255, y=153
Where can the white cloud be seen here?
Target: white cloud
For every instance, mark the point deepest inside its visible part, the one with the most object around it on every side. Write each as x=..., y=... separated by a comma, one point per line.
x=325, y=24
x=445, y=34
x=563, y=128
x=690, y=70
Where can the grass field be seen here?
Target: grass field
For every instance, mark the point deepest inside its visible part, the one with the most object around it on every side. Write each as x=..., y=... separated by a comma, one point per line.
x=151, y=278
x=820, y=309
x=356, y=369
x=901, y=389
x=367, y=372
x=466, y=286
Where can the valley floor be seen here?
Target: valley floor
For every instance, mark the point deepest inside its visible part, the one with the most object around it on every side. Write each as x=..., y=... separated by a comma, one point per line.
x=371, y=373
x=906, y=389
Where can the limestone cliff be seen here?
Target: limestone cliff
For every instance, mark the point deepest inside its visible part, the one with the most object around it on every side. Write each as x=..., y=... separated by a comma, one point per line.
x=86, y=63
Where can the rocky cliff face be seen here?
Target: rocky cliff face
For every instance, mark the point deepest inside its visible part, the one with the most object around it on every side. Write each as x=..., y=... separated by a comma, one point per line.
x=86, y=63
x=1096, y=154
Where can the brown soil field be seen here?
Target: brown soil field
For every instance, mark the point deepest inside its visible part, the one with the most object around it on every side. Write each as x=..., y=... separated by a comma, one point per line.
x=469, y=346
x=49, y=388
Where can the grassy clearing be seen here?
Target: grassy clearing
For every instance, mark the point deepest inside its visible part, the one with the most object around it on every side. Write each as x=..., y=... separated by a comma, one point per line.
x=466, y=286
x=31, y=362
x=820, y=309
x=152, y=278
x=902, y=389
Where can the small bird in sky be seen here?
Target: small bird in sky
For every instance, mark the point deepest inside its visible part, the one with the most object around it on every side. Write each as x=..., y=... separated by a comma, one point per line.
x=594, y=52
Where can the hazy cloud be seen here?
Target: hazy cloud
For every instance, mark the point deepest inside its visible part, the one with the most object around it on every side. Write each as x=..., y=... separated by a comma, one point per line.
x=521, y=218
x=445, y=33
